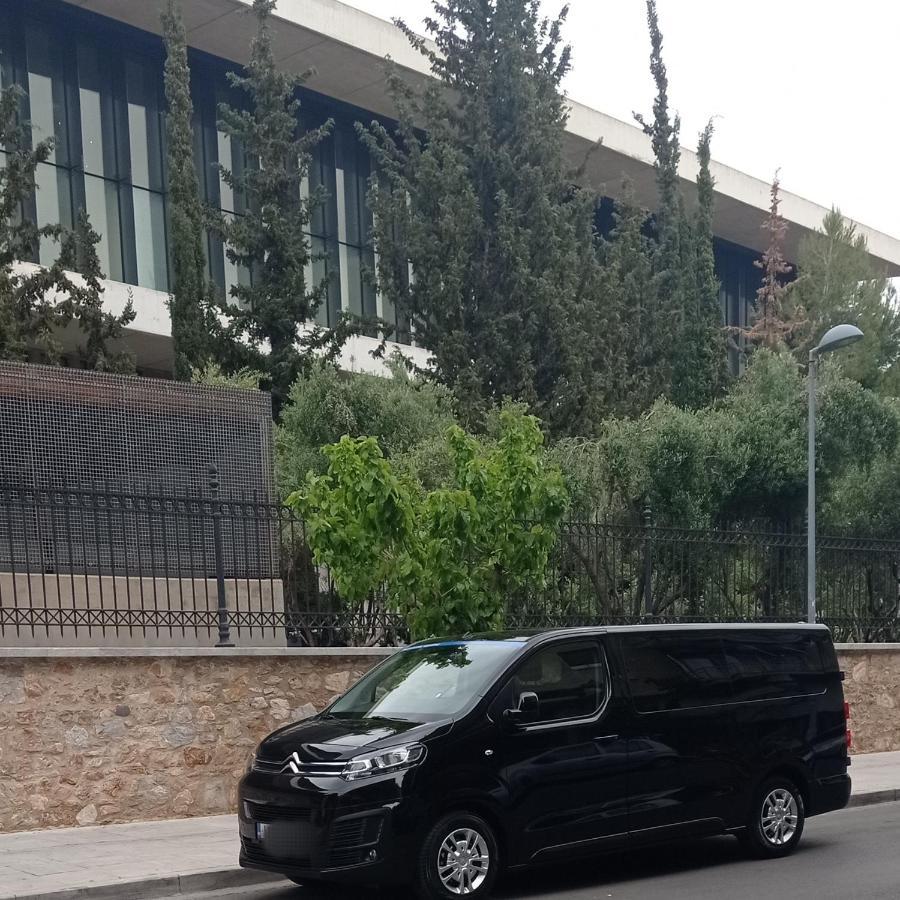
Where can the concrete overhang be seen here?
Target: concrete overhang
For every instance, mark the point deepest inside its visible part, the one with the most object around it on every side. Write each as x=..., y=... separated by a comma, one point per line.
x=346, y=48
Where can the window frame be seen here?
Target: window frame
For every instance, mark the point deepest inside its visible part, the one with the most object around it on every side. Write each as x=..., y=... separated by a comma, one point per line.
x=549, y=724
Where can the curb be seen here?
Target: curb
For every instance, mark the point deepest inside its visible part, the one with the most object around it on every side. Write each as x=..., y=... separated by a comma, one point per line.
x=161, y=886
x=872, y=797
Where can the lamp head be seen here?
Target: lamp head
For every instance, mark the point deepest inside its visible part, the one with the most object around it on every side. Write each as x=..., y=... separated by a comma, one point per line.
x=839, y=336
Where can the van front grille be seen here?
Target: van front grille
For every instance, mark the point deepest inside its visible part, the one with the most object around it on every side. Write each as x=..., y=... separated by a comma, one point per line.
x=293, y=765
x=258, y=812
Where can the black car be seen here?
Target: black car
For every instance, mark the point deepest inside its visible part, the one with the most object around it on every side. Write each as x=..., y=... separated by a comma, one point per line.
x=454, y=759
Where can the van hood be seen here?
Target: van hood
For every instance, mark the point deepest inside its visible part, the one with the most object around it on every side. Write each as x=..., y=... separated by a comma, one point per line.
x=326, y=738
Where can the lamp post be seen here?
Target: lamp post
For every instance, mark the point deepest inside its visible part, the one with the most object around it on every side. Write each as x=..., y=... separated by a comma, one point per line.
x=839, y=336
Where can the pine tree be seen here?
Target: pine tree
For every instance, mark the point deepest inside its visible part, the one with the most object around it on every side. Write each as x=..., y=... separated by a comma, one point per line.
x=37, y=302
x=83, y=303
x=503, y=290
x=265, y=325
x=837, y=281
x=773, y=325
x=26, y=312
x=192, y=303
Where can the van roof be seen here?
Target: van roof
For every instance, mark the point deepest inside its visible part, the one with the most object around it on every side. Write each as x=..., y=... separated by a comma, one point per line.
x=526, y=635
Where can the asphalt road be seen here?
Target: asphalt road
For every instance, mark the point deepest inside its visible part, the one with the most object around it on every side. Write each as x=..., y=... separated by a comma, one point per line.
x=852, y=855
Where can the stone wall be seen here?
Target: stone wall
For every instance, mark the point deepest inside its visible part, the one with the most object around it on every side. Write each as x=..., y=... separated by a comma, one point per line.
x=99, y=736
x=872, y=687
x=116, y=738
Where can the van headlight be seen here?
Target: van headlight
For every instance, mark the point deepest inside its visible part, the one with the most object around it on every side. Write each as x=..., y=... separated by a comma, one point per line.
x=391, y=760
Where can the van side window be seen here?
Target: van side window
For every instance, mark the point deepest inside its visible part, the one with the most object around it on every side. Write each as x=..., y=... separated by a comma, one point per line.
x=569, y=680
x=768, y=665
x=675, y=671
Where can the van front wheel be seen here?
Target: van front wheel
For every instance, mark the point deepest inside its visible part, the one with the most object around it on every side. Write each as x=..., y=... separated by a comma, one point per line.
x=459, y=857
x=776, y=819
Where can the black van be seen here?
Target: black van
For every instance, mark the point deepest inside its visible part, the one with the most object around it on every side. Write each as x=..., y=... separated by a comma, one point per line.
x=453, y=759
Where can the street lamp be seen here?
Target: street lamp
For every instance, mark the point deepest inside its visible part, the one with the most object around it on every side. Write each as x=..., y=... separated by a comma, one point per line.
x=834, y=338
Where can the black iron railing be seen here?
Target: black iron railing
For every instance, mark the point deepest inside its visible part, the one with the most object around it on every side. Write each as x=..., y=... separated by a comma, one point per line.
x=86, y=564
x=118, y=566
x=619, y=573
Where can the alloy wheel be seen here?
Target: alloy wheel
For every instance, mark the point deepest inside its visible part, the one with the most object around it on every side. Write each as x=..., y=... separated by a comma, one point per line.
x=463, y=861
x=778, y=817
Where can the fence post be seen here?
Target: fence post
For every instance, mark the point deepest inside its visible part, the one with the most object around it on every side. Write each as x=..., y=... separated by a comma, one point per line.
x=648, y=560
x=224, y=625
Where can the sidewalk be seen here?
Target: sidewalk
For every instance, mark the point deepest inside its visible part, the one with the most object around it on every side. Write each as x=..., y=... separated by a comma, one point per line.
x=876, y=778
x=188, y=856
x=124, y=862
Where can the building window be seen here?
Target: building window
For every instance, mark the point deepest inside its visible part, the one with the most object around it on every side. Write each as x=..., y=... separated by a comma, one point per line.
x=97, y=89
x=100, y=99
x=739, y=280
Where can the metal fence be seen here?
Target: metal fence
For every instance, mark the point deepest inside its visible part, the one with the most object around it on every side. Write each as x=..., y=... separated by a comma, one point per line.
x=115, y=567
x=617, y=573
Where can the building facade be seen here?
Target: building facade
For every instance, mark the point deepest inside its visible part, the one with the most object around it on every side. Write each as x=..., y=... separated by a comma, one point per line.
x=92, y=72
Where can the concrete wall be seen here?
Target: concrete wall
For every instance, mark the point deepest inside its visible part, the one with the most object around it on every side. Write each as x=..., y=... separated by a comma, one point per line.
x=98, y=736
x=71, y=611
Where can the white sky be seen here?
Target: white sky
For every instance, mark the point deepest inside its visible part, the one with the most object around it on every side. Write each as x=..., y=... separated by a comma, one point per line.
x=810, y=86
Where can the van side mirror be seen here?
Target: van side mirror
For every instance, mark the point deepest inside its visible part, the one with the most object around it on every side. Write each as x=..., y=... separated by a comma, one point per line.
x=526, y=711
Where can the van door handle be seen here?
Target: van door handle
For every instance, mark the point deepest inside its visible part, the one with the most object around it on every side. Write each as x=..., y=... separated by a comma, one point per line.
x=606, y=738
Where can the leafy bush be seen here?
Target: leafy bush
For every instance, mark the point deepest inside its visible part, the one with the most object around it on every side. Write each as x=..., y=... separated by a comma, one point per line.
x=449, y=557
x=400, y=411
x=740, y=459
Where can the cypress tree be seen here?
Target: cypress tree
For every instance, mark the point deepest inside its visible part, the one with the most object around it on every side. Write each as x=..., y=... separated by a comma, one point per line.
x=700, y=365
x=501, y=246
x=264, y=330
x=665, y=134
x=683, y=260
x=637, y=359
x=192, y=301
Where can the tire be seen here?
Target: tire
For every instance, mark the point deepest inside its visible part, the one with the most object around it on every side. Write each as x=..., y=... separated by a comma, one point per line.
x=776, y=821
x=468, y=833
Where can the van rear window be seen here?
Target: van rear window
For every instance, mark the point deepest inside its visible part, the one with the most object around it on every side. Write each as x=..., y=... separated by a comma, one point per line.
x=768, y=665
x=682, y=671
x=687, y=670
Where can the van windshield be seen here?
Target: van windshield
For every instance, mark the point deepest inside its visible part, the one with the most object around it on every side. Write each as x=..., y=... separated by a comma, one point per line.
x=426, y=681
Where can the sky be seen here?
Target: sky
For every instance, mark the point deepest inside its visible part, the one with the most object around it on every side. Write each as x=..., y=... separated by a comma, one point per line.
x=810, y=87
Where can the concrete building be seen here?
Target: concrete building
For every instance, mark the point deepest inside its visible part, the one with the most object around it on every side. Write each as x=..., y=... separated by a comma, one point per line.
x=92, y=70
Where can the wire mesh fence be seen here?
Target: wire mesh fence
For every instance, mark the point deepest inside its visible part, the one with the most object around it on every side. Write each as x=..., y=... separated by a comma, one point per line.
x=117, y=567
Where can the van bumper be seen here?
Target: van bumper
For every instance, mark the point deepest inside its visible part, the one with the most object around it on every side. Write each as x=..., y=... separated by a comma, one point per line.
x=347, y=834
x=829, y=794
